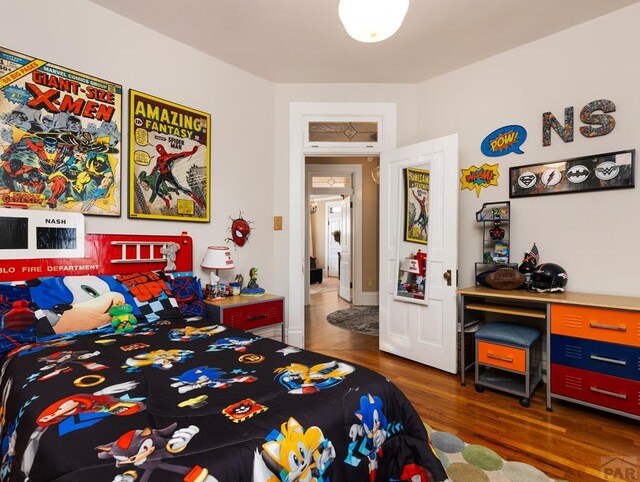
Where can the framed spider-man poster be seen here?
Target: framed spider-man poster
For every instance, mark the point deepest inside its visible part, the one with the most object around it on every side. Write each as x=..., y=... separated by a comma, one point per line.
x=416, y=226
x=169, y=156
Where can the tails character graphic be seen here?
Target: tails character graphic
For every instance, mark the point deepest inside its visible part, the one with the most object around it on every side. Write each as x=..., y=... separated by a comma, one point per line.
x=162, y=359
x=293, y=454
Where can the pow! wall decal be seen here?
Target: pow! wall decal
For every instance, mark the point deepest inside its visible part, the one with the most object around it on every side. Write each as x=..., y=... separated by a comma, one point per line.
x=479, y=177
x=503, y=141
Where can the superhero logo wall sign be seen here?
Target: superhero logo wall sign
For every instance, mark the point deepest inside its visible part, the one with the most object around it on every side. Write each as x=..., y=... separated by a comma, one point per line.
x=169, y=149
x=614, y=170
x=60, y=138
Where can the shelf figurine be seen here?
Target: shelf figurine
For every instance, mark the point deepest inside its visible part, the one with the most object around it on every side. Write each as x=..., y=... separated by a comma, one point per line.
x=496, y=233
x=253, y=288
x=529, y=263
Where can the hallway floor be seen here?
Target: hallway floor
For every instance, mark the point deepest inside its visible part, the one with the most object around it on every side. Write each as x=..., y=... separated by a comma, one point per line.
x=571, y=443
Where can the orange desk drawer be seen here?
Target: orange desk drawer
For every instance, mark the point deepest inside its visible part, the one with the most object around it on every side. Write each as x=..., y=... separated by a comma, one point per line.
x=256, y=315
x=502, y=356
x=613, y=326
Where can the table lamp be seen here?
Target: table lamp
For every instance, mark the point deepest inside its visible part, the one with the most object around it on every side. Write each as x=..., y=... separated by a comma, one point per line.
x=410, y=265
x=215, y=258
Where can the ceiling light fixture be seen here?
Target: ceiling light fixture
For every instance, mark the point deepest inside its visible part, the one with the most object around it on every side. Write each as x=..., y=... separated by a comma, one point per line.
x=372, y=20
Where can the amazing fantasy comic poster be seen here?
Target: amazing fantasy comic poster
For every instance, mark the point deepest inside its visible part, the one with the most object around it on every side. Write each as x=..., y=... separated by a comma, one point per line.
x=417, y=205
x=60, y=136
x=169, y=160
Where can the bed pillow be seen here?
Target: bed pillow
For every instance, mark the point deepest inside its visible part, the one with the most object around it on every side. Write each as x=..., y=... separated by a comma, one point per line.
x=17, y=318
x=152, y=294
x=67, y=304
x=188, y=293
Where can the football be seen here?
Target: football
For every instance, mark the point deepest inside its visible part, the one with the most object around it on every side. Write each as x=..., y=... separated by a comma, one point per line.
x=505, y=279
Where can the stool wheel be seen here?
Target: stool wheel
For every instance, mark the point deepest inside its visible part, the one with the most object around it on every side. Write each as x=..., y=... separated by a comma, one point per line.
x=479, y=388
x=525, y=402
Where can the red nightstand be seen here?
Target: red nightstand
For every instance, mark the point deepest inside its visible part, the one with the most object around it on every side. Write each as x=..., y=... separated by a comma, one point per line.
x=248, y=312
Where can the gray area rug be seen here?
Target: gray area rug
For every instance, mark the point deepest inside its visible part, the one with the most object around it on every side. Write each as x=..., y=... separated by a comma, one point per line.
x=359, y=319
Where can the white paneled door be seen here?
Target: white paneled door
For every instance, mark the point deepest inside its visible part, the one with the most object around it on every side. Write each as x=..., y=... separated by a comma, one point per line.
x=345, y=249
x=423, y=331
x=334, y=223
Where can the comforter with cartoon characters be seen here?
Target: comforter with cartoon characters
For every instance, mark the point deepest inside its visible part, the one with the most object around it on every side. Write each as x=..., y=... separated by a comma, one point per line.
x=191, y=401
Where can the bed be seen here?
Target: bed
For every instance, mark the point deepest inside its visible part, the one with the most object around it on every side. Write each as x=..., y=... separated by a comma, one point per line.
x=178, y=398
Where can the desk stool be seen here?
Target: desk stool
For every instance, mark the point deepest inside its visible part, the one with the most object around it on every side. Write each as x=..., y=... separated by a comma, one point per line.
x=509, y=358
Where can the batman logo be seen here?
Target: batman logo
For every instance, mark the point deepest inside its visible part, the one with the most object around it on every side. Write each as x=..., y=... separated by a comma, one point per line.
x=527, y=179
x=578, y=174
x=607, y=170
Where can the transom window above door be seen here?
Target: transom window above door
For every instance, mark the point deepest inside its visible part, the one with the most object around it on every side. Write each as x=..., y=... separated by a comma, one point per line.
x=331, y=181
x=343, y=132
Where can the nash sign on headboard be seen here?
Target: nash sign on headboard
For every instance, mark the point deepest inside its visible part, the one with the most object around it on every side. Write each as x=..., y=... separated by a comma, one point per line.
x=105, y=254
x=40, y=234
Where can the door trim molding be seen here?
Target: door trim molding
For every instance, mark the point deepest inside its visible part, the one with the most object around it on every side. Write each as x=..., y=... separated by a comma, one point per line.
x=298, y=112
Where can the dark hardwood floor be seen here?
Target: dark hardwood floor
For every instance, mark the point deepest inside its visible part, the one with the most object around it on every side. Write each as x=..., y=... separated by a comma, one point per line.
x=571, y=443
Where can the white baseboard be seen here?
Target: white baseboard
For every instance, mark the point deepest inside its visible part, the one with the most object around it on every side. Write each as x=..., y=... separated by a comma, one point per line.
x=369, y=298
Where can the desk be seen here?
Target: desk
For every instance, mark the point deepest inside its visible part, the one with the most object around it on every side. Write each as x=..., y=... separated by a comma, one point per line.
x=573, y=322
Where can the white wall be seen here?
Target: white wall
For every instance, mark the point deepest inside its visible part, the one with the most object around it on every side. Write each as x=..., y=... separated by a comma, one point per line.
x=594, y=236
x=83, y=36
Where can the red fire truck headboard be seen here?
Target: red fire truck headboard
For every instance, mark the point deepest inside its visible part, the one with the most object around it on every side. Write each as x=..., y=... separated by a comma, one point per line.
x=107, y=254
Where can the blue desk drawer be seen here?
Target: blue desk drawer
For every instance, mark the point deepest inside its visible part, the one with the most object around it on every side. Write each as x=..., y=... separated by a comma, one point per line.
x=597, y=356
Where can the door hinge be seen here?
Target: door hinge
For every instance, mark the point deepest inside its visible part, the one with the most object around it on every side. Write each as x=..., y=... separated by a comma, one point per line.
x=351, y=204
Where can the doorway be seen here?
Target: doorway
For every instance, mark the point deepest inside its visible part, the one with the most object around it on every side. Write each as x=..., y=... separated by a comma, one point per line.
x=301, y=116
x=342, y=235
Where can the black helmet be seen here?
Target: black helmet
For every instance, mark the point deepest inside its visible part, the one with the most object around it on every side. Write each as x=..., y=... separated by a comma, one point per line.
x=549, y=277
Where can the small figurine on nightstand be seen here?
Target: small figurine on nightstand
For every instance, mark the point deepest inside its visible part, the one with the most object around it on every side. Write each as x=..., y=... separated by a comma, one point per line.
x=252, y=289
x=122, y=319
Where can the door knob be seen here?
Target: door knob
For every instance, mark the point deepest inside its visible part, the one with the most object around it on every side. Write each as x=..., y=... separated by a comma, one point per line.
x=447, y=276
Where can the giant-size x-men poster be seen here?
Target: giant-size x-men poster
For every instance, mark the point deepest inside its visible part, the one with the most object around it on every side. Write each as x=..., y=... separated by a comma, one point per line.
x=60, y=136
x=168, y=160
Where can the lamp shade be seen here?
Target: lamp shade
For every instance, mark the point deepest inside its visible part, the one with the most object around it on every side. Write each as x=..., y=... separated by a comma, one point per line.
x=410, y=265
x=372, y=20
x=217, y=257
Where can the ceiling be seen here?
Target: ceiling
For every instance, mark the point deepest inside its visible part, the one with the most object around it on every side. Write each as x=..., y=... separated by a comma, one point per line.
x=303, y=40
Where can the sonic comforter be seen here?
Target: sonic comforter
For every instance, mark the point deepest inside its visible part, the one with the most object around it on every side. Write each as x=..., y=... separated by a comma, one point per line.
x=186, y=400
